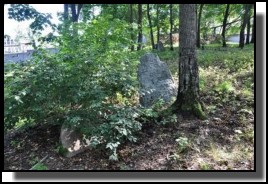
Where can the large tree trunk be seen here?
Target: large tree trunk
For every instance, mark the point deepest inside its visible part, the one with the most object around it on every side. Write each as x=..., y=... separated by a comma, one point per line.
x=253, y=28
x=171, y=27
x=150, y=25
x=139, y=26
x=199, y=22
x=188, y=101
x=224, y=25
x=244, y=23
x=131, y=27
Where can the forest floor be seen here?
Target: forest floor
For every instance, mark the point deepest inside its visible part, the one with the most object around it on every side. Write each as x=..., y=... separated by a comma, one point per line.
x=225, y=141
x=219, y=143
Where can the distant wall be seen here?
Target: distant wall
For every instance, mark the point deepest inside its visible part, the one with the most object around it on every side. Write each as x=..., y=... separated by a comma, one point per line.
x=22, y=57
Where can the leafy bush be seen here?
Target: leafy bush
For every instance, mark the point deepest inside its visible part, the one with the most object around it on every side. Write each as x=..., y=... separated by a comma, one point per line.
x=120, y=125
x=88, y=85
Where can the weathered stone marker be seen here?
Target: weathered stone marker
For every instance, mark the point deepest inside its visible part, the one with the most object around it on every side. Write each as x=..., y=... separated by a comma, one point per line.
x=155, y=80
x=72, y=142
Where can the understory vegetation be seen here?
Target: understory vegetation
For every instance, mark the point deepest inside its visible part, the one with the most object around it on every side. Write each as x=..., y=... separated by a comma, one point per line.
x=97, y=93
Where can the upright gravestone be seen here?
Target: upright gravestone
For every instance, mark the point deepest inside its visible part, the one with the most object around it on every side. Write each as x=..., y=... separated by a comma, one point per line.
x=155, y=80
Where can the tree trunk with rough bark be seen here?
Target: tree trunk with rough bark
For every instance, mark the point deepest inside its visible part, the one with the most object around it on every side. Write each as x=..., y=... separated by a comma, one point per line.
x=188, y=102
x=139, y=26
x=151, y=27
x=224, y=25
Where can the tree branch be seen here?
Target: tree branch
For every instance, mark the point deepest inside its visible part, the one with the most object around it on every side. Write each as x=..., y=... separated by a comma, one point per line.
x=229, y=23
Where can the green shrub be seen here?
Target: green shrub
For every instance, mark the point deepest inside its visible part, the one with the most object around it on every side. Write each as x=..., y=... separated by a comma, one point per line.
x=90, y=87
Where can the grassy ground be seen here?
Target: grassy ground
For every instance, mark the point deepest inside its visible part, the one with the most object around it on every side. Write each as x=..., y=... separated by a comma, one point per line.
x=225, y=141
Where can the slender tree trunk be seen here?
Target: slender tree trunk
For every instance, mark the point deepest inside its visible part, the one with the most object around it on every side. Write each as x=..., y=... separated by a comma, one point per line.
x=214, y=32
x=131, y=27
x=244, y=22
x=248, y=31
x=150, y=25
x=224, y=25
x=188, y=101
x=66, y=12
x=66, y=19
x=199, y=24
x=75, y=13
x=139, y=26
x=248, y=26
x=75, y=16
x=253, y=31
x=171, y=27
x=157, y=26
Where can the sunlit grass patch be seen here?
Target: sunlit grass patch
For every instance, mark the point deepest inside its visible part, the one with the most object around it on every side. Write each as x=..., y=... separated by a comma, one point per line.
x=205, y=166
x=236, y=155
x=225, y=86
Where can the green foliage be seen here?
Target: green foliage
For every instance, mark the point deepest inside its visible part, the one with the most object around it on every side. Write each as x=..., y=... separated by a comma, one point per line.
x=153, y=111
x=169, y=119
x=120, y=126
x=205, y=166
x=182, y=144
x=225, y=86
x=89, y=87
x=22, y=12
x=40, y=166
x=248, y=135
x=17, y=144
x=202, y=83
x=231, y=58
x=61, y=150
